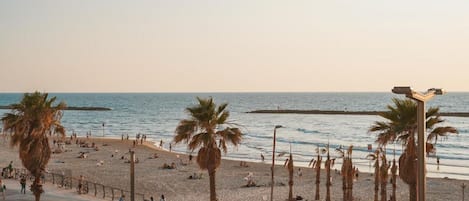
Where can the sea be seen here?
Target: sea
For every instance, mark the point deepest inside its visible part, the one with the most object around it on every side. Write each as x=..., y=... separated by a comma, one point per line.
x=157, y=115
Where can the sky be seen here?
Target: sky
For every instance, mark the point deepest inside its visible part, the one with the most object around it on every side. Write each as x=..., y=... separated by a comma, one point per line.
x=233, y=46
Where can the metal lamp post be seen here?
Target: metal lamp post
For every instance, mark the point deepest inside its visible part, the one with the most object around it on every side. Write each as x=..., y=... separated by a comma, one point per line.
x=273, y=164
x=421, y=127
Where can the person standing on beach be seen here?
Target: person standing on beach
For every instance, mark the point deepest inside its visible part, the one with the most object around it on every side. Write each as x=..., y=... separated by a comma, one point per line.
x=2, y=189
x=80, y=184
x=10, y=169
x=300, y=173
x=162, y=198
x=122, y=198
x=262, y=157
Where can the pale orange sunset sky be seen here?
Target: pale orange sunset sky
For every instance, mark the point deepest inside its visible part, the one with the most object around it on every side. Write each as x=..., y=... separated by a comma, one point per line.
x=232, y=46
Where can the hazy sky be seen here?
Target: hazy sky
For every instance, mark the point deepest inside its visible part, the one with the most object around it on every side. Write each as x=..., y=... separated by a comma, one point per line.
x=234, y=46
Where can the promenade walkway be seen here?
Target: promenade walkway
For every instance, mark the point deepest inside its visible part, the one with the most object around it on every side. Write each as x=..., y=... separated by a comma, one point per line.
x=52, y=193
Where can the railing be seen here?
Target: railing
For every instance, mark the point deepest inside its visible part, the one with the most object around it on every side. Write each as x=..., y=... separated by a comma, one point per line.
x=67, y=181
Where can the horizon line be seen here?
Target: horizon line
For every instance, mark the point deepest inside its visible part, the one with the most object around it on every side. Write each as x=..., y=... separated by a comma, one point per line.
x=174, y=92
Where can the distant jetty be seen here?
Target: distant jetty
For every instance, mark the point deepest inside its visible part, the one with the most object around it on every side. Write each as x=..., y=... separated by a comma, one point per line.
x=72, y=108
x=340, y=112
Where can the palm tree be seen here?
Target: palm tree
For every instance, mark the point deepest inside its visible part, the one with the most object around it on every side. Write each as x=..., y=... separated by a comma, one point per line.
x=394, y=177
x=290, y=174
x=316, y=165
x=375, y=157
x=347, y=171
x=328, y=164
x=30, y=122
x=202, y=130
x=383, y=171
x=401, y=126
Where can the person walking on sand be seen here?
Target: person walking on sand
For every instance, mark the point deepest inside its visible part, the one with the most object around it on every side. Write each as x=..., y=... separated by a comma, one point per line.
x=162, y=198
x=122, y=198
x=300, y=173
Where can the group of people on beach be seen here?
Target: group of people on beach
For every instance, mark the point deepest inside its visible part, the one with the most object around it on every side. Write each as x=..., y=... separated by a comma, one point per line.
x=162, y=198
x=7, y=172
x=139, y=137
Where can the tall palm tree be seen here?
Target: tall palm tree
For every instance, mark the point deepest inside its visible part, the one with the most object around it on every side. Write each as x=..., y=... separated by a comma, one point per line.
x=207, y=125
x=316, y=165
x=30, y=122
x=328, y=164
x=383, y=171
x=348, y=172
x=375, y=157
x=401, y=126
x=394, y=178
x=290, y=176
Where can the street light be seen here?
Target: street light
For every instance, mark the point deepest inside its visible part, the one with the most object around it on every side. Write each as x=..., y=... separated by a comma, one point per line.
x=273, y=163
x=421, y=127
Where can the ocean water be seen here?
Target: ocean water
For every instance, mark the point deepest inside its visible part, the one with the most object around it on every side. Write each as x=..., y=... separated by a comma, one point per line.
x=158, y=114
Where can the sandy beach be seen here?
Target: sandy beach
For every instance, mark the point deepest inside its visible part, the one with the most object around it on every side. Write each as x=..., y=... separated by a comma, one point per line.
x=153, y=180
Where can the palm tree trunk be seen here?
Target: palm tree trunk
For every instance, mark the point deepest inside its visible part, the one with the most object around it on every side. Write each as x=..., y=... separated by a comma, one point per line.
x=345, y=178
x=394, y=180
x=328, y=179
x=344, y=181
x=37, y=188
x=290, y=186
x=376, y=179
x=350, y=175
x=384, y=183
x=211, y=174
x=384, y=178
x=318, y=177
x=408, y=168
x=412, y=192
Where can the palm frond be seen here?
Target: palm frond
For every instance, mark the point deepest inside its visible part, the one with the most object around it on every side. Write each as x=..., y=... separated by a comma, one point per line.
x=185, y=130
x=441, y=132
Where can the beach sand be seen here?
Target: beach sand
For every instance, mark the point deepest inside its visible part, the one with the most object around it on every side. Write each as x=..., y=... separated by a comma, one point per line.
x=152, y=180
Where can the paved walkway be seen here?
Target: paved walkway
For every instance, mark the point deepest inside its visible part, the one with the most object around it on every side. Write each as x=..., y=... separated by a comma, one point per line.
x=52, y=193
